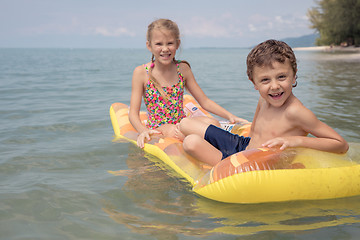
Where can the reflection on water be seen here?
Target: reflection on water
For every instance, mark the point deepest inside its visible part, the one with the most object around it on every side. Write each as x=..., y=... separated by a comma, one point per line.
x=149, y=191
x=154, y=202
x=242, y=219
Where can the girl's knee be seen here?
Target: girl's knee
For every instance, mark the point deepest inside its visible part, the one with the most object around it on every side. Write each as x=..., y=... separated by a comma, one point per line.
x=191, y=142
x=185, y=123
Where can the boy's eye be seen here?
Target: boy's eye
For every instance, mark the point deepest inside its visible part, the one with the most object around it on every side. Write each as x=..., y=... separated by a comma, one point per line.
x=282, y=77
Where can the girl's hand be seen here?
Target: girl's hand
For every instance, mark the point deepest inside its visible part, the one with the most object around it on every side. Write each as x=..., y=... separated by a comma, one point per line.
x=235, y=119
x=283, y=142
x=145, y=135
x=178, y=134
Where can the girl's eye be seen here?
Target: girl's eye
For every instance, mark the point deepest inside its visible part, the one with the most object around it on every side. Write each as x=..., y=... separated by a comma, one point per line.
x=265, y=80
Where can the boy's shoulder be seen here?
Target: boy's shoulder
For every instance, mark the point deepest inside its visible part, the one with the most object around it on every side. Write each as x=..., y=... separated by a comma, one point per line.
x=297, y=111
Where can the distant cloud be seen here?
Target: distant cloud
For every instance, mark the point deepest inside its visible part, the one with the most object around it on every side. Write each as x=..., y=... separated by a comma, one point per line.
x=121, y=31
x=219, y=27
x=206, y=23
x=276, y=24
x=252, y=28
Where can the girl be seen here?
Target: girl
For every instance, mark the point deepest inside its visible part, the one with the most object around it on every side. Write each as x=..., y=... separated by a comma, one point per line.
x=161, y=83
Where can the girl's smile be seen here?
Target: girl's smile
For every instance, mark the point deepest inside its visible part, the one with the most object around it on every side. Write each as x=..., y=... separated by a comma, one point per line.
x=163, y=45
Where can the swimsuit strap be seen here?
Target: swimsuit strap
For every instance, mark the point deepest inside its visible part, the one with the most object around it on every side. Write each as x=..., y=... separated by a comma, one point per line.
x=177, y=69
x=146, y=68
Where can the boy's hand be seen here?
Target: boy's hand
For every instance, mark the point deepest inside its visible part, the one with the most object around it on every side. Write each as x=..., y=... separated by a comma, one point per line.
x=145, y=135
x=283, y=142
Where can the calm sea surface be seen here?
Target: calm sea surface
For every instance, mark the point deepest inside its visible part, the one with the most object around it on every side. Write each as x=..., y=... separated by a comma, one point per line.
x=56, y=148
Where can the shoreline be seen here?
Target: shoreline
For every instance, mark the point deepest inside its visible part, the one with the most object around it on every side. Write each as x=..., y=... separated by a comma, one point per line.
x=350, y=49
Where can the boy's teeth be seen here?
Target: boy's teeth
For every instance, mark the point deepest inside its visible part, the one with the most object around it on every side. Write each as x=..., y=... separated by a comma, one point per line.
x=276, y=94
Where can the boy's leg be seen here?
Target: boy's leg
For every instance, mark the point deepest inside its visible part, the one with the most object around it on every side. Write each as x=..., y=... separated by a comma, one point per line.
x=208, y=120
x=202, y=150
x=194, y=143
x=193, y=126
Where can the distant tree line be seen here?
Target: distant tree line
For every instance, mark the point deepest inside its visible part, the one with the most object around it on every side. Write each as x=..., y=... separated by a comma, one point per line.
x=337, y=21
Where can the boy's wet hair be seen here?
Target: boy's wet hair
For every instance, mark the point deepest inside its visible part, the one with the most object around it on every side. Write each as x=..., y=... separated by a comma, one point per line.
x=268, y=52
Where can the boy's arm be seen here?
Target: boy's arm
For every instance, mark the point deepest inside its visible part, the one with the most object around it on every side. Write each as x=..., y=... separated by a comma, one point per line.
x=327, y=139
x=253, y=124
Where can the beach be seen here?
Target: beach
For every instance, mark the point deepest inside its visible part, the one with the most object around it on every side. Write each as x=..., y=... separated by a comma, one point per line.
x=351, y=49
x=334, y=53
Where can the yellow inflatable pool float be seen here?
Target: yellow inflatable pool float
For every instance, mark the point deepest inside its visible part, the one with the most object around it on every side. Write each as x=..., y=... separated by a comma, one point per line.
x=256, y=175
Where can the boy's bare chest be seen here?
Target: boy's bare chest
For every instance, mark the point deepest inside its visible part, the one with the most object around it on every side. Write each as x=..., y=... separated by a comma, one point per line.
x=271, y=124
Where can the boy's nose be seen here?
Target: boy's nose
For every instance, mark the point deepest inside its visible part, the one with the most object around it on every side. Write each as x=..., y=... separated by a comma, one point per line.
x=274, y=85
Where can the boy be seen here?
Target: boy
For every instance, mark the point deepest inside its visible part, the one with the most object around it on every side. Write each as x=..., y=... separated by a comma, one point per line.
x=280, y=118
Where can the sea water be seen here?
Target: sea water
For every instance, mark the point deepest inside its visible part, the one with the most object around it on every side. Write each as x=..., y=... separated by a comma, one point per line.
x=57, y=148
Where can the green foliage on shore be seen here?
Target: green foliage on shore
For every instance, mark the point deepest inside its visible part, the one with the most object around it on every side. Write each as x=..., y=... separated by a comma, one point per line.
x=337, y=21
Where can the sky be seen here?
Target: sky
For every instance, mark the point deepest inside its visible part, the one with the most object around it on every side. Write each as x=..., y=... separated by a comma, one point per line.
x=123, y=23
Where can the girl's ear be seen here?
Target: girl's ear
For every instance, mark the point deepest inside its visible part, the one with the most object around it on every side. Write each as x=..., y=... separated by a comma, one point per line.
x=178, y=44
x=148, y=45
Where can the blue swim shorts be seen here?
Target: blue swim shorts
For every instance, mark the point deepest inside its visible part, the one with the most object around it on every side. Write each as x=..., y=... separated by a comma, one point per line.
x=226, y=142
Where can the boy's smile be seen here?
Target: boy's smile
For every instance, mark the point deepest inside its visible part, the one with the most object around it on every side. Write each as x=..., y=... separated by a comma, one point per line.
x=274, y=83
x=276, y=95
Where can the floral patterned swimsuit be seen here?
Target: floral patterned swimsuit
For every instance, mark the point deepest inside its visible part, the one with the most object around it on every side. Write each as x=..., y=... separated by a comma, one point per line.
x=162, y=112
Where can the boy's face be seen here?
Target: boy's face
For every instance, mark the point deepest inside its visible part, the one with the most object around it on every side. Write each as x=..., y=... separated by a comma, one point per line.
x=274, y=83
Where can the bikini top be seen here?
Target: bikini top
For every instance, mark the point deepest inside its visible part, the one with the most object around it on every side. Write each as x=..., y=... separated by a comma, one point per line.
x=162, y=111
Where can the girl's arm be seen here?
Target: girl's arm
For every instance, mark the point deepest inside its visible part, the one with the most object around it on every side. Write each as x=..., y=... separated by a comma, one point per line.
x=327, y=139
x=137, y=89
x=206, y=103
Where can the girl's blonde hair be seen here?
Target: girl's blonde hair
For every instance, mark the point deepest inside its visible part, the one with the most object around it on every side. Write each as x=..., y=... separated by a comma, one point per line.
x=174, y=29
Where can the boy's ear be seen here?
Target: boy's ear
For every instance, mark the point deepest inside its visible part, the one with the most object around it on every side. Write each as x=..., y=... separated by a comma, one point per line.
x=295, y=77
x=256, y=88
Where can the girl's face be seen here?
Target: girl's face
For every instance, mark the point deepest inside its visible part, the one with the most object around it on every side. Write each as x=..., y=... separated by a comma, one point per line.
x=163, y=45
x=274, y=83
